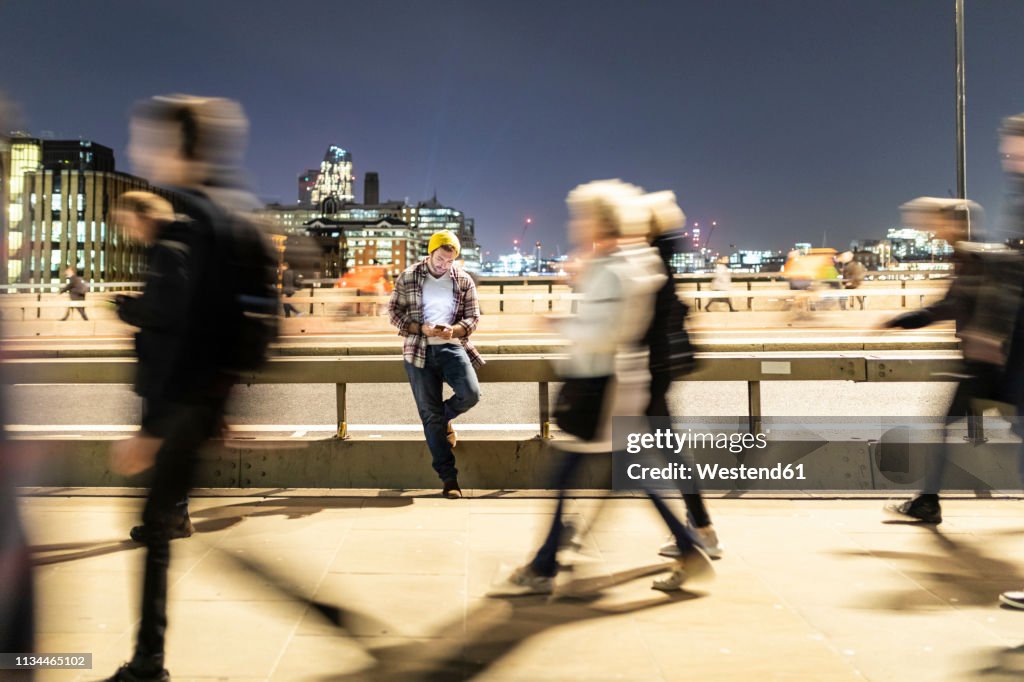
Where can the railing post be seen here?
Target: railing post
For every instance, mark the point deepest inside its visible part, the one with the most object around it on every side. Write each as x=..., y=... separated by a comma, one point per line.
x=975, y=428
x=697, y=299
x=750, y=299
x=501, y=298
x=754, y=405
x=903, y=299
x=551, y=297
x=339, y=393
x=545, y=409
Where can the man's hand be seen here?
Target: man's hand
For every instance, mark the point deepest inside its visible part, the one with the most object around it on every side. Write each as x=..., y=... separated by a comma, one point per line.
x=446, y=333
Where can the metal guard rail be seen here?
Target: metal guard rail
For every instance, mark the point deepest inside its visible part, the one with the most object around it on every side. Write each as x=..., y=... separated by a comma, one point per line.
x=539, y=369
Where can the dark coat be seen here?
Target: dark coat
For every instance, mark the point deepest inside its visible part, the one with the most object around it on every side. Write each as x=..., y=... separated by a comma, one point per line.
x=288, y=282
x=669, y=311
x=161, y=311
x=76, y=287
x=179, y=358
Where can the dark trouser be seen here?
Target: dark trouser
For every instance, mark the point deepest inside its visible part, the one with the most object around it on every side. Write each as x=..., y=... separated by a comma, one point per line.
x=859, y=300
x=17, y=603
x=157, y=421
x=545, y=562
x=446, y=363
x=983, y=383
x=721, y=299
x=289, y=309
x=188, y=427
x=80, y=309
x=658, y=407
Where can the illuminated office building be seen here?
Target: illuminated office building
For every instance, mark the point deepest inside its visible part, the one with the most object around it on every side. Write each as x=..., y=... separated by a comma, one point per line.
x=422, y=220
x=62, y=198
x=334, y=181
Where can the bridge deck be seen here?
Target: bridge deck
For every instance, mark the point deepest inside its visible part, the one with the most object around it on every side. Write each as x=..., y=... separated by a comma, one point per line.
x=809, y=589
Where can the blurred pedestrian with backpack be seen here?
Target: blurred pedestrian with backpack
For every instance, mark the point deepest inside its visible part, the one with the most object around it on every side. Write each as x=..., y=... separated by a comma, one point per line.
x=1011, y=151
x=219, y=323
x=983, y=300
x=76, y=289
x=672, y=354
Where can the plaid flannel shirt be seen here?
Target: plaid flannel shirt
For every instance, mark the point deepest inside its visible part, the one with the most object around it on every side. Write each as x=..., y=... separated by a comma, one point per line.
x=406, y=306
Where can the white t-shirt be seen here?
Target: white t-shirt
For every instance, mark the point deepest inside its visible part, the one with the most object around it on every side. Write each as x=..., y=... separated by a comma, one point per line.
x=438, y=303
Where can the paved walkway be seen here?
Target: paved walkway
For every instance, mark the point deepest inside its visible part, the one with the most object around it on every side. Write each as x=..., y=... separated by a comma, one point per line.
x=809, y=589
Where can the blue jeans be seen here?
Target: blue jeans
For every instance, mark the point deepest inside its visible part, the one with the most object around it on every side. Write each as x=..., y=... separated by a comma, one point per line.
x=449, y=364
x=545, y=561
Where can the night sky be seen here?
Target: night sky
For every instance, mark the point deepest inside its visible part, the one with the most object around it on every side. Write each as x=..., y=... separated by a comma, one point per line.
x=783, y=120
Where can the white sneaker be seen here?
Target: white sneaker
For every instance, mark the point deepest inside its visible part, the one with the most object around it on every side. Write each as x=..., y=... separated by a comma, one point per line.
x=523, y=581
x=673, y=582
x=1013, y=599
x=694, y=568
x=708, y=540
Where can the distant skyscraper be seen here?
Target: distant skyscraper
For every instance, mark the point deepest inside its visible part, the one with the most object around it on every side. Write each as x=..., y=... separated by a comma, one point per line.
x=335, y=177
x=371, y=189
x=307, y=181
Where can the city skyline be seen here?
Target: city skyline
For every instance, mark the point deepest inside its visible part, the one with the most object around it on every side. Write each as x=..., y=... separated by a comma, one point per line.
x=781, y=121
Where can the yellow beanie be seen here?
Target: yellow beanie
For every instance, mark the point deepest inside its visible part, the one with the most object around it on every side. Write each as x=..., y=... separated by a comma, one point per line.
x=444, y=238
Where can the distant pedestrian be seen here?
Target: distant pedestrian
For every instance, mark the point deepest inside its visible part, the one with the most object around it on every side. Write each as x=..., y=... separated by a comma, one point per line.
x=288, y=289
x=434, y=306
x=853, y=276
x=722, y=281
x=76, y=289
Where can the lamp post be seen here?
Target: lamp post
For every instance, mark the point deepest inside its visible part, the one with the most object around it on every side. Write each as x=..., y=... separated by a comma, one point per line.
x=961, y=117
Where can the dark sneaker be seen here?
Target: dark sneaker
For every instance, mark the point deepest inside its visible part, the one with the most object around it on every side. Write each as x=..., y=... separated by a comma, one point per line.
x=184, y=529
x=126, y=674
x=451, y=490
x=917, y=509
x=523, y=581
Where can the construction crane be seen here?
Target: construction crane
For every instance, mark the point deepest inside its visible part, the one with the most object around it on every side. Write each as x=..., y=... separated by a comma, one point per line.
x=522, y=235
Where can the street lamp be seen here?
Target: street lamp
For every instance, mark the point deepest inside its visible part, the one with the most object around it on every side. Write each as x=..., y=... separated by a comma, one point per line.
x=961, y=118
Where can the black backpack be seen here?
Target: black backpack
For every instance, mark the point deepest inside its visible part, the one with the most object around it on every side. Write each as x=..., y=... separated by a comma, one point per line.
x=244, y=289
x=993, y=290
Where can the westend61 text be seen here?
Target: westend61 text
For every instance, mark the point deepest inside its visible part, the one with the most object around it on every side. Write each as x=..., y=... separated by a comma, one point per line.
x=716, y=472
